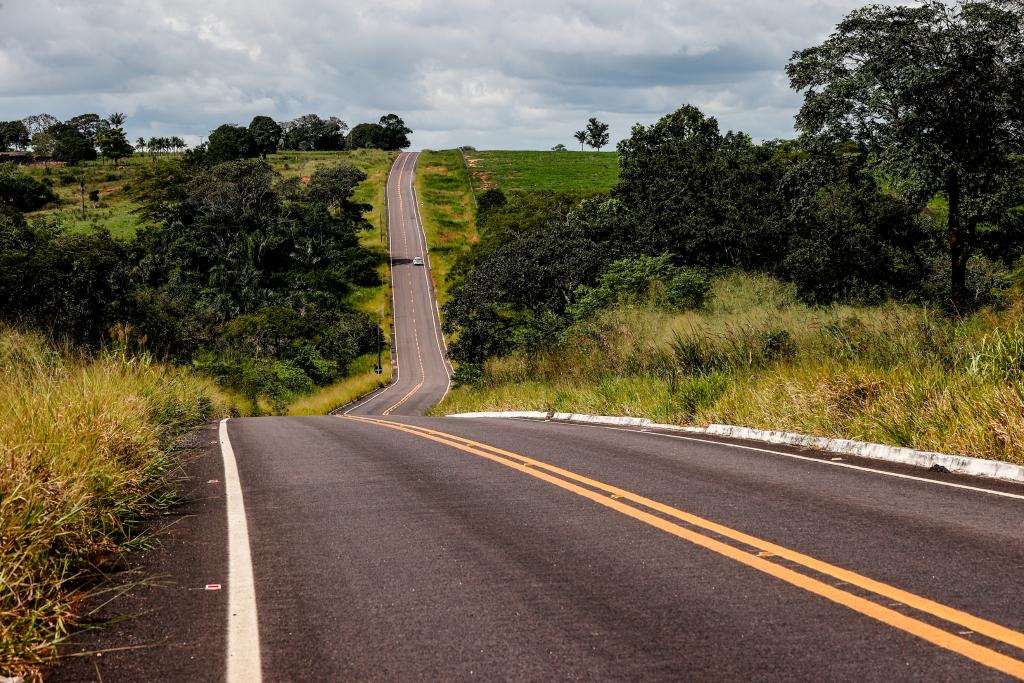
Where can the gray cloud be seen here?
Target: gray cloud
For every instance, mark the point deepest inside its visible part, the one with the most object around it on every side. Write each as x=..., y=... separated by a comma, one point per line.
x=475, y=72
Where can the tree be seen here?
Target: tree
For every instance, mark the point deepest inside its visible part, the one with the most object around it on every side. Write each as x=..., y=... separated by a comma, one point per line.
x=21, y=191
x=140, y=144
x=366, y=135
x=581, y=137
x=597, y=133
x=114, y=144
x=394, y=133
x=14, y=135
x=310, y=132
x=266, y=132
x=177, y=144
x=117, y=119
x=933, y=93
x=70, y=145
x=559, y=148
x=39, y=127
x=89, y=125
x=229, y=143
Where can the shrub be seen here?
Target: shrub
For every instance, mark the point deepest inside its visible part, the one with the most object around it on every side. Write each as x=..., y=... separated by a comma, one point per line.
x=21, y=191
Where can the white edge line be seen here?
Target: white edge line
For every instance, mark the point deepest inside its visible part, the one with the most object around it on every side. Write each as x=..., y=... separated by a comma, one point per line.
x=243, y=647
x=394, y=318
x=535, y=418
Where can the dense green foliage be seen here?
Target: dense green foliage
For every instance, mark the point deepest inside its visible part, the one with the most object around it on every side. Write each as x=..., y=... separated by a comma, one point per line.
x=933, y=92
x=243, y=273
x=18, y=190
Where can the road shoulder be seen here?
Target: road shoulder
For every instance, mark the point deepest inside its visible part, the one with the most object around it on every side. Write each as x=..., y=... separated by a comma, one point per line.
x=157, y=620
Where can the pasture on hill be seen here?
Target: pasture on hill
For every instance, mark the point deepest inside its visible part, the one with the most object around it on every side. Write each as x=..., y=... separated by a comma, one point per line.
x=531, y=171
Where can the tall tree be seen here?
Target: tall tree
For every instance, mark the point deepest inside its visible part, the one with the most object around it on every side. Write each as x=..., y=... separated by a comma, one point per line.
x=70, y=145
x=581, y=137
x=597, y=133
x=114, y=144
x=267, y=134
x=89, y=125
x=394, y=135
x=230, y=142
x=140, y=144
x=366, y=135
x=14, y=135
x=934, y=93
x=117, y=119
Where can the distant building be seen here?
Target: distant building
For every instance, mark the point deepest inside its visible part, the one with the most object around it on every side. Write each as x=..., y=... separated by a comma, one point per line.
x=18, y=158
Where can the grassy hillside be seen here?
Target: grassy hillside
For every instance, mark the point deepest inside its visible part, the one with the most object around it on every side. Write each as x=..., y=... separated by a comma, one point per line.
x=449, y=217
x=84, y=443
x=532, y=171
x=754, y=356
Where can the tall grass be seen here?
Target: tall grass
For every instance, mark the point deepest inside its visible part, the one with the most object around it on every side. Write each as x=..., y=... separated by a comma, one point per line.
x=896, y=374
x=338, y=394
x=83, y=446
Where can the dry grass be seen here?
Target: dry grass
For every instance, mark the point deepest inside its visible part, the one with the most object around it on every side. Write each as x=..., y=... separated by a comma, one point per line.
x=83, y=447
x=894, y=374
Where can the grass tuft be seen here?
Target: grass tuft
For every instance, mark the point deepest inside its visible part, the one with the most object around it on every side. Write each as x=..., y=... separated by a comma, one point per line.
x=83, y=446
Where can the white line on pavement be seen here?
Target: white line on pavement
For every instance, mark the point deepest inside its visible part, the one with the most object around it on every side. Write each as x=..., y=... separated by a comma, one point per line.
x=243, y=651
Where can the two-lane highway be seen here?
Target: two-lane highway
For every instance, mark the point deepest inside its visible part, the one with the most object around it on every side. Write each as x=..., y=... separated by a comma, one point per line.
x=422, y=371
x=386, y=546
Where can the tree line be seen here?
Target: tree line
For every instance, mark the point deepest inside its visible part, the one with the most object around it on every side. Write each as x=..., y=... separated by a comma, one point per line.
x=84, y=137
x=907, y=183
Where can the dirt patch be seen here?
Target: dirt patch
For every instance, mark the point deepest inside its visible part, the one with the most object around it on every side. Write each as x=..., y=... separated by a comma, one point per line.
x=437, y=169
x=483, y=180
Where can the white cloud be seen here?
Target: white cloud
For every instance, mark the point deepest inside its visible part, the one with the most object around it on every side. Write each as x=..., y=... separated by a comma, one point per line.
x=479, y=72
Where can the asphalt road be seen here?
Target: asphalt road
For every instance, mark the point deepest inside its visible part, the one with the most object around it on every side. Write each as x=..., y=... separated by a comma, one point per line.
x=419, y=356
x=410, y=548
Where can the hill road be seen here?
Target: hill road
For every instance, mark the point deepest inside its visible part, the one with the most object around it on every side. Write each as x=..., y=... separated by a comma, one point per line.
x=378, y=544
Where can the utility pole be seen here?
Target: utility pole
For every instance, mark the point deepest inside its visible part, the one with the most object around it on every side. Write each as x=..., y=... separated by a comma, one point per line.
x=380, y=321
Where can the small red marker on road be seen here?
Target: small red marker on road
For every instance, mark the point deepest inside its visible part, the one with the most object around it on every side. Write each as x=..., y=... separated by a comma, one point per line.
x=213, y=586
x=213, y=481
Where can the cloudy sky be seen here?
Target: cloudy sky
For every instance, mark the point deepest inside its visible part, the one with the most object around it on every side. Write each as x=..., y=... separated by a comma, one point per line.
x=518, y=74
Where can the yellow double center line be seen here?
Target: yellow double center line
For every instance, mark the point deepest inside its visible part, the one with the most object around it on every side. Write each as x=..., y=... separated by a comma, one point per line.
x=615, y=498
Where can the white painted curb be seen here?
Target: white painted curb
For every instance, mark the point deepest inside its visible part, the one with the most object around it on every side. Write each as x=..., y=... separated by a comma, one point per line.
x=960, y=464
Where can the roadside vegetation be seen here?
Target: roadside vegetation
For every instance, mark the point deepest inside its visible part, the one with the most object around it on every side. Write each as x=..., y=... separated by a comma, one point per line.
x=755, y=355
x=447, y=210
x=84, y=445
x=862, y=281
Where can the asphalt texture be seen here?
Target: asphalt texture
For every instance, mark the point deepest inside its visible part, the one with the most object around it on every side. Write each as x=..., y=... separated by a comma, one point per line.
x=412, y=548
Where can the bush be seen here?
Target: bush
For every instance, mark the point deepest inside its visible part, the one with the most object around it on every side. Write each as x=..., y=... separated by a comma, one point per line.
x=21, y=191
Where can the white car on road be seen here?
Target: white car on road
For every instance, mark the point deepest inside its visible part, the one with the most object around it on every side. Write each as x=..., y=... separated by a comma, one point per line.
x=417, y=260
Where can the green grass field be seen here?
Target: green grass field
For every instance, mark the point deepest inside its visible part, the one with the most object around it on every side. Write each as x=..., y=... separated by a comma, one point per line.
x=449, y=217
x=532, y=171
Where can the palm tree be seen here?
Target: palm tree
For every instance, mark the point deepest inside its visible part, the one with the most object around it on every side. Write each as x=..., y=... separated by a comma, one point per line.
x=140, y=143
x=117, y=119
x=581, y=137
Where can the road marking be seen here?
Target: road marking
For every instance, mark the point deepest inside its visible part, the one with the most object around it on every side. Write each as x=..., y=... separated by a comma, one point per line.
x=403, y=157
x=921, y=629
x=243, y=650
x=796, y=456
